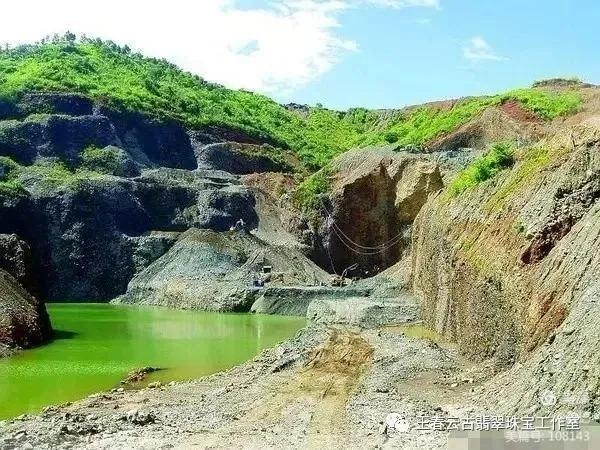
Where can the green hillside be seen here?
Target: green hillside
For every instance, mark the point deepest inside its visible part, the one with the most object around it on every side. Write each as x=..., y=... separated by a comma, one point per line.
x=132, y=82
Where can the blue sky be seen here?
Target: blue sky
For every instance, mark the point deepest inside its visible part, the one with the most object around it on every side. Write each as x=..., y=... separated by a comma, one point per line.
x=341, y=53
x=414, y=55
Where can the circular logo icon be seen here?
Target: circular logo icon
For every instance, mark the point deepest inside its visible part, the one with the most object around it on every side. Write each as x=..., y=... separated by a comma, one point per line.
x=548, y=398
x=397, y=422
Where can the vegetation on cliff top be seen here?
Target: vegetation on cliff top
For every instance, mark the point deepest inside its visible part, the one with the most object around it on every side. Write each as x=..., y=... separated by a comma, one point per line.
x=128, y=81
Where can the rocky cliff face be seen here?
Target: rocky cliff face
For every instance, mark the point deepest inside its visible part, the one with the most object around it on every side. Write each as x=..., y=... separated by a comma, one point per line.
x=496, y=265
x=366, y=216
x=87, y=219
x=508, y=268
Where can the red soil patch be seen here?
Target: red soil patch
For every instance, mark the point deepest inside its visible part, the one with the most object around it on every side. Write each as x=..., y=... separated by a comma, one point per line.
x=515, y=110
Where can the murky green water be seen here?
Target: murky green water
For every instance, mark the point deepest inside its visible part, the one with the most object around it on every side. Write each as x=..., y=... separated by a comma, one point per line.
x=97, y=345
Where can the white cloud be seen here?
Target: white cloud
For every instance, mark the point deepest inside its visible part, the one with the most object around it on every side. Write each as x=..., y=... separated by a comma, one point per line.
x=477, y=49
x=273, y=49
x=262, y=49
x=399, y=4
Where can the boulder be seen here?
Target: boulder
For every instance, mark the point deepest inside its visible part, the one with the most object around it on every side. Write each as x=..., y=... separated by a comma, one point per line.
x=16, y=260
x=24, y=322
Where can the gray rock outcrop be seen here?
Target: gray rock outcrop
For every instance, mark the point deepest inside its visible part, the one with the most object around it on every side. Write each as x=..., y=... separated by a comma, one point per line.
x=86, y=215
x=241, y=159
x=215, y=271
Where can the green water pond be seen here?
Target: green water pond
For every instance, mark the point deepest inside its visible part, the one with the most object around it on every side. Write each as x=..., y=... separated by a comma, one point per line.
x=96, y=345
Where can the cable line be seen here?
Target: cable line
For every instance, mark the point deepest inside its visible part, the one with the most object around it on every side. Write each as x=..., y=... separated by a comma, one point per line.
x=360, y=252
x=360, y=249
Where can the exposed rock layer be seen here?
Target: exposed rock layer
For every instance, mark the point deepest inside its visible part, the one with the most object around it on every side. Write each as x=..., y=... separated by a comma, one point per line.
x=507, y=268
x=374, y=197
x=86, y=232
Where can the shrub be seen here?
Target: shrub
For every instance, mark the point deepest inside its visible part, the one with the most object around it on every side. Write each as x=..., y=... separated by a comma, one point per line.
x=9, y=183
x=103, y=160
x=391, y=137
x=499, y=157
x=519, y=227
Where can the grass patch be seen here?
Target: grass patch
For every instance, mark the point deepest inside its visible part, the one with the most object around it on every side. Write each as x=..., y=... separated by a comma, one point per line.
x=12, y=188
x=49, y=174
x=547, y=105
x=57, y=174
x=426, y=124
x=38, y=118
x=499, y=157
x=9, y=183
x=326, y=133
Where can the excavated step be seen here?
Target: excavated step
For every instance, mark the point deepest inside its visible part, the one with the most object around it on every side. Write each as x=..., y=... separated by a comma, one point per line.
x=338, y=305
x=364, y=312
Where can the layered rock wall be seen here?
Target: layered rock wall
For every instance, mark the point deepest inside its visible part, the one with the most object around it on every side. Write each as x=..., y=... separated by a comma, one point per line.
x=500, y=266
